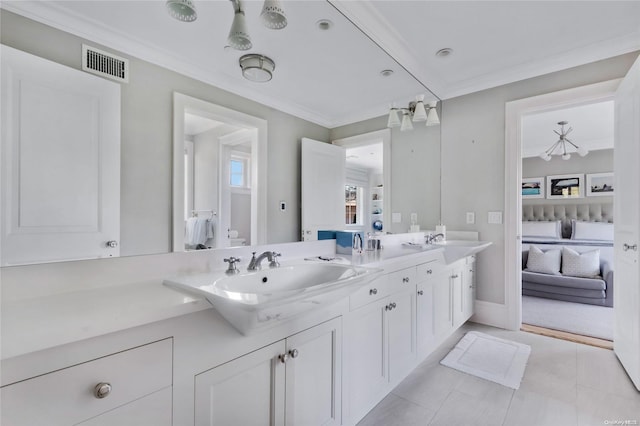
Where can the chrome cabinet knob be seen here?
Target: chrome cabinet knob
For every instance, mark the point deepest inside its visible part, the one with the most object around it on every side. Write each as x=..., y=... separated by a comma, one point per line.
x=373, y=291
x=405, y=279
x=393, y=305
x=102, y=390
x=420, y=292
x=294, y=353
x=283, y=358
x=112, y=244
x=429, y=271
x=455, y=276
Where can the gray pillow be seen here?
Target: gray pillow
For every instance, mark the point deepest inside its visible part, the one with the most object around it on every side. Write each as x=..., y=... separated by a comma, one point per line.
x=585, y=265
x=544, y=262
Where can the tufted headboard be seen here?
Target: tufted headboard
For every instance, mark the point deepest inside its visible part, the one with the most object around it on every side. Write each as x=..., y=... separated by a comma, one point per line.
x=597, y=212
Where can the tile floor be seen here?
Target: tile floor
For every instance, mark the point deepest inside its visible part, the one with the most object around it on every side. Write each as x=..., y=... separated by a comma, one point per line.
x=565, y=383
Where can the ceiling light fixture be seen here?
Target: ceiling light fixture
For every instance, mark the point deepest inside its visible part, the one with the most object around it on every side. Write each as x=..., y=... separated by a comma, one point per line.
x=182, y=10
x=258, y=68
x=239, y=37
x=324, y=24
x=562, y=144
x=417, y=111
x=273, y=15
x=443, y=53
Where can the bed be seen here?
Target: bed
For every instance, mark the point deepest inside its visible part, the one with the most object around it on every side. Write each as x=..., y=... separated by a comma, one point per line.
x=588, y=235
x=581, y=233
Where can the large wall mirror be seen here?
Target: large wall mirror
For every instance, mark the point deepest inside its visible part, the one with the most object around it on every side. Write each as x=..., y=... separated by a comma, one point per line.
x=327, y=85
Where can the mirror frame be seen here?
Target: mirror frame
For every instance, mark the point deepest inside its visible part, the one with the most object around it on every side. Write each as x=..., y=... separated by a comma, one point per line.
x=183, y=103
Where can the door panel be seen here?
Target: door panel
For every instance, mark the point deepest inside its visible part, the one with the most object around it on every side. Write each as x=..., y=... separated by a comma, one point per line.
x=60, y=162
x=323, y=178
x=223, y=396
x=626, y=299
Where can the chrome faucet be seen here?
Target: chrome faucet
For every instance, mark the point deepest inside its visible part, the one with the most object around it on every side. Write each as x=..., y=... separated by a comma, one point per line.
x=431, y=238
x=272, y=256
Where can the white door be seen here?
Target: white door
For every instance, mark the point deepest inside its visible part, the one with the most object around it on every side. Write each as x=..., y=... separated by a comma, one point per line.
x=314, y=372
x=323, y=177
x=60, y=162
x=246, y=391
x=223, y=239
x=626, y=297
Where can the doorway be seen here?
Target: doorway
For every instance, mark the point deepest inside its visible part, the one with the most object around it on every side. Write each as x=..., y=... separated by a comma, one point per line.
x=515, y=111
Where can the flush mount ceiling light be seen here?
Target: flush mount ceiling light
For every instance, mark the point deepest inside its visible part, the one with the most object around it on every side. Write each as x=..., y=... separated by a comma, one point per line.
x=561, y=145
x=324, y=24
x=258, y=68
x=182, y=10
x=417, y=111
x=386, y=73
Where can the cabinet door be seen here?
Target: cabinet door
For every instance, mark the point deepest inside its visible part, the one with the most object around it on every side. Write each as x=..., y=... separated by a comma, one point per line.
x=313, y=376
x=425, y=329
x=469, y=289
x=154, y=409
x=442, y=312
x=365, y=365
x=399, y=313
x=246, y=391
x=456, y=296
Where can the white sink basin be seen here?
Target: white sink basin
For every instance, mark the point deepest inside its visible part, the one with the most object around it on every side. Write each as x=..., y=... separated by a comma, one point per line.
x=458, y=249
x=259, y=299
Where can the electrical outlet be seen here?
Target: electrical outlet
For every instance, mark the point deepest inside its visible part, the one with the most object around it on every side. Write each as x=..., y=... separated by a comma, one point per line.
x=471, y=217
x=495, y=218
x=283, y=206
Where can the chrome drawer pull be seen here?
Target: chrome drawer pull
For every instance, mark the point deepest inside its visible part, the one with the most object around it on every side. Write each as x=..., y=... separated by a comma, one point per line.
x=373, y=291
x=294, y=353
x=429, y=271
x=627, y=247
x=420, y=292
x=405, y=279
x=102, y=390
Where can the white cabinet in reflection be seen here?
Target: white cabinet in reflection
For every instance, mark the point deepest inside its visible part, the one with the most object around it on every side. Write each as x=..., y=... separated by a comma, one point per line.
x=60, y=162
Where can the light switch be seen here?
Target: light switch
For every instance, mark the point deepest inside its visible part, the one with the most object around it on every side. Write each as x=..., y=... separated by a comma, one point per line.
x=495, y=218
x=471, y=217
x=396, y=217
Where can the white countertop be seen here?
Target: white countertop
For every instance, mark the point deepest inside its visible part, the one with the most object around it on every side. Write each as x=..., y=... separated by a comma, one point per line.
x=41, y=323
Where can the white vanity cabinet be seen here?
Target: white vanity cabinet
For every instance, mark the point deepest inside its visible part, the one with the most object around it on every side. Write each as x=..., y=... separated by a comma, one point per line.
x=379, y=339
x=295, y=381
x=429, y=275
x=468, y=287
x=128, y=388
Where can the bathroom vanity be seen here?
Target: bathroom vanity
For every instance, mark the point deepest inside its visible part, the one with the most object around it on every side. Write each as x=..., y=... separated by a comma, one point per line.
x=146, y=354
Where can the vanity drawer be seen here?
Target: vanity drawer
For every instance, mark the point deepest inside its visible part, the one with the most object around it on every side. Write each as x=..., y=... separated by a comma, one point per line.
x=429, y=269
x=403, y=278
x=68, y=396
x=375, y=290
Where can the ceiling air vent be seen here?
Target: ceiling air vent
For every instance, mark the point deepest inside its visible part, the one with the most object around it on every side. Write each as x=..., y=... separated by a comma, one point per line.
x=105, y=64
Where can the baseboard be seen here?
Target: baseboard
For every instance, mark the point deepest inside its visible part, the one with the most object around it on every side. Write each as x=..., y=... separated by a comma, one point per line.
x=489, y=313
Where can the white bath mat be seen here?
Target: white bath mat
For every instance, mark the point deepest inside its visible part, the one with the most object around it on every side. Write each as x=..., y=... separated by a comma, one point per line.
x=491, y=358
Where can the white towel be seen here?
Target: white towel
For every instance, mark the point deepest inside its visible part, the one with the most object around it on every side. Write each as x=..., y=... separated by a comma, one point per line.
x=198, y=230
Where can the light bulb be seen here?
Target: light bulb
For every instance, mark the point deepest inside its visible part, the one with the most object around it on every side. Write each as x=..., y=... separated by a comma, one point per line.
x=582, y=152
x=394, y=120
x=566, y=156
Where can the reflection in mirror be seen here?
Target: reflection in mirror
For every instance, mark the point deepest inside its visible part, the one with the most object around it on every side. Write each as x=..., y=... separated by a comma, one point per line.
x=219, y=176
x=368, y=171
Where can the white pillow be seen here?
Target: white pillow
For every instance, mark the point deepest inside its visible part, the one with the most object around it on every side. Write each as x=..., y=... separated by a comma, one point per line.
x=547, y=262
x=542, y=229
x=585, y=265
x=591, y=231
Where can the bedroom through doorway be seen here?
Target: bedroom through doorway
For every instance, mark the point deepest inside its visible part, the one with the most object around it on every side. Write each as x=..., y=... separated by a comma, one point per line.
x=567, y=221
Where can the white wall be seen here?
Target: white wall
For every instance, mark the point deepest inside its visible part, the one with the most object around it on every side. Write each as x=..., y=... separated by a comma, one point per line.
x=473, y=162
x=241, y=215
x=146, y=152
x=205, y=171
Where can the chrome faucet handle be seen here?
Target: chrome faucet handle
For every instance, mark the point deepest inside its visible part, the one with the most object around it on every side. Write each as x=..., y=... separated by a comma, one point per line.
x=274, y=260
x=233, y=268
